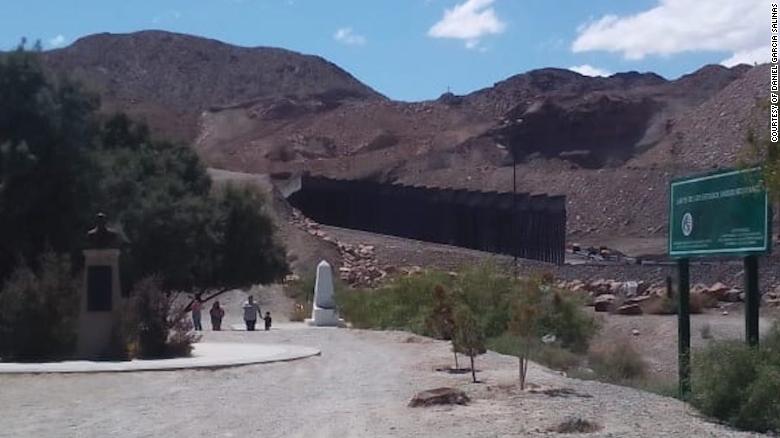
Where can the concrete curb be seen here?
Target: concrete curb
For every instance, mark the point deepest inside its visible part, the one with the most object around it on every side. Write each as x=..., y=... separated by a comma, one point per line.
x=206, y=355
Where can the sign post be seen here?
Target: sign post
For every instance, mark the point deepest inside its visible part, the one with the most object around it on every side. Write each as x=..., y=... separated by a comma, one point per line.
x=752, y=300
x=719, y=214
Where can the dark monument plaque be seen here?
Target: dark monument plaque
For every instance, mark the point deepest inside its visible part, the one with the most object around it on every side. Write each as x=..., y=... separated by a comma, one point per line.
x=99, y=288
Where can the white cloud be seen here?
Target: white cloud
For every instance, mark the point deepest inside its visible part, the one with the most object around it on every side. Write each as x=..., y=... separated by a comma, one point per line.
x=749, y=56
x=345, y=35
x=469, y=21
x=677, y=26
x=167, y=16
x=589, y=70
x=57, y=41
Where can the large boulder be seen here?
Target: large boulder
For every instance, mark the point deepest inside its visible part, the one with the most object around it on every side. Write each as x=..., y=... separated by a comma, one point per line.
x=604, y=303
x=600, y=287
x=439, y=396
x=733, y=295
x=718, y=291
x=615, y=287
x=629, y=309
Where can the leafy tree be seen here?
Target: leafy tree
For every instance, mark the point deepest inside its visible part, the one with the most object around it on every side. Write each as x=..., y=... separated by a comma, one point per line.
x=46, y=176
x=523, y=324
x=468, y=337
x=59, y=166
x=39, y=310
x=250, y=252
x=196, y=241
x=441, y=321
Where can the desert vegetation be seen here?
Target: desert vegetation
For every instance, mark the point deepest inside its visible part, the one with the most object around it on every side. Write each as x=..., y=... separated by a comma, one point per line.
x=528, y=318
x=739, y=384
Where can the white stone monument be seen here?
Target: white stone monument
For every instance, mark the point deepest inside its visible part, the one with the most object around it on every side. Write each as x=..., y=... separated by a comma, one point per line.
x=323, y=313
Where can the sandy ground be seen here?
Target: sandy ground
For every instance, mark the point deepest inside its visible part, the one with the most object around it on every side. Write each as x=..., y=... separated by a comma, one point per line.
x=657, y=339
x=358, y=387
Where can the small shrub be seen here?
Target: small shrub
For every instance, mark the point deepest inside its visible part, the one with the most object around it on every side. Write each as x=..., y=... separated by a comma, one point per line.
x=706, y=331
x=563, y=316
x=39, y=311
x=552, y=356
x=468, y=337
x=576, y=425
x=557, y=358
x=739, y=384
x=617, y=362
x=300, y=312
x=658, y=385
x=302, y=289
x=157, y=325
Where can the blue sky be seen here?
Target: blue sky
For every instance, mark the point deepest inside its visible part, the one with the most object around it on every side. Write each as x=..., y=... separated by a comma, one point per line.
x=416, y=49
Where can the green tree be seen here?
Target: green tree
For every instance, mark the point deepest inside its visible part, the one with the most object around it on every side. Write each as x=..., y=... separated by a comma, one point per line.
x=46, y=176
x=39, y=310
x=194, y=239
x=468, y=337
x=441, y=321
x=523, y=324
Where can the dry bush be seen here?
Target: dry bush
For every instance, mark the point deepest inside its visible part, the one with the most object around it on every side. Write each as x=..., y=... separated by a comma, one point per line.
x=576, y=425
x=300, y=312
x=617, y=362
x=668, y=306
x=156, y=323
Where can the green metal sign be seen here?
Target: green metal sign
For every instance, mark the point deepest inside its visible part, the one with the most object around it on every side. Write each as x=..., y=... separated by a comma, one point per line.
x=724, y=213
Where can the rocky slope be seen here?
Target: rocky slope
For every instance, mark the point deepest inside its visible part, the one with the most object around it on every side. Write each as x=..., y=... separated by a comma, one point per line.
x=609, y=144
x=169, y=79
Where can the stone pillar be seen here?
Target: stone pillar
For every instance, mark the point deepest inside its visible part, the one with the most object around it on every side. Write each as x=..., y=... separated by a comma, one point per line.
x=101, y=297
x=323, y=313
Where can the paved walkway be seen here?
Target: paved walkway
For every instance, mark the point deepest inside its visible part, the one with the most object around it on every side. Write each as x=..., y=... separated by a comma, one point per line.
x=204, y=355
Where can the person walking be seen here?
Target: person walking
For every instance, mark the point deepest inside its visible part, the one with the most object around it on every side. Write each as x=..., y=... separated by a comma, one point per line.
x=251, y=311
x=195, y=308
x=217, y=313
x=267, y=320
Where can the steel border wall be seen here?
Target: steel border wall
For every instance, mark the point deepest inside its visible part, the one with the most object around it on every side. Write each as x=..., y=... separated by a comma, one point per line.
x=469, y=219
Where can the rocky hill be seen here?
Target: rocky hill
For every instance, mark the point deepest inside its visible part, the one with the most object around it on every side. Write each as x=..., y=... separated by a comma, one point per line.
x=168, y=79
x=549, y=113
x=609, y=144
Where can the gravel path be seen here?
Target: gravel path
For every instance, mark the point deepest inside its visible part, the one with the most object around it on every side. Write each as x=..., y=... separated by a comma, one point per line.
x=359, y=387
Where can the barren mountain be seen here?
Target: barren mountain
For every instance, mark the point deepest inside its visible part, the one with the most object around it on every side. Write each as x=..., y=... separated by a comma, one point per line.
x=552, y=113
x=168, y=79
x=609, y=144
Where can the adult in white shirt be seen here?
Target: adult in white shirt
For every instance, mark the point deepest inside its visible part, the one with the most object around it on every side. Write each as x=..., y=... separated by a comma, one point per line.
x=251, y=310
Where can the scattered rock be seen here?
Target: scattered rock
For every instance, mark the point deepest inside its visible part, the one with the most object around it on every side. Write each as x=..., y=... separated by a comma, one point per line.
x=439, y=396
x=733, y=296
x=629, y=309
x=635, y=332
x=718, y=291
x=555, y=391
x=603, y=303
